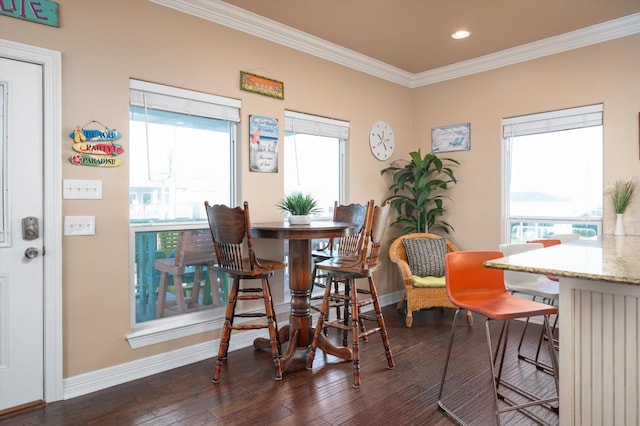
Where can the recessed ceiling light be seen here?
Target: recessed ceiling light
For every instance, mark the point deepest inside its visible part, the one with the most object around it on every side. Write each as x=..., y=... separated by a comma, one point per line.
x=460, y=34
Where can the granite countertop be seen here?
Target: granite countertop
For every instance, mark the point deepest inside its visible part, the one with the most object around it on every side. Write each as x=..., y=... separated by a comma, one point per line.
x=614, y=259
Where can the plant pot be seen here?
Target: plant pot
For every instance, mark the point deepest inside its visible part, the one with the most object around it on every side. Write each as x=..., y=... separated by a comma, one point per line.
x=300, y=219
x=619, y=228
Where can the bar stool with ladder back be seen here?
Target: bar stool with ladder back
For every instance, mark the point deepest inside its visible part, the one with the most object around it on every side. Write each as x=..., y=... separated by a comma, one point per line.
x=347, y=270
x=230, y=229
x=472, y=286
x=343, y=246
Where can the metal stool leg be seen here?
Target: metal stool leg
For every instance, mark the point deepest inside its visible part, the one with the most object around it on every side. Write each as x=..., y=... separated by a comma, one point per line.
x=444, y=373
x=533, y=399
x=496, y=364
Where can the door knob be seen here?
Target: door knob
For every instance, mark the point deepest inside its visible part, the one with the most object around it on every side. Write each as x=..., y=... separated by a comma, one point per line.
x=31, y=253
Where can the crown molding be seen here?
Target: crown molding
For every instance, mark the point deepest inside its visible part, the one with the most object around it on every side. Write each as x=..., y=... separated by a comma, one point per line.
x=587, y=36
x=248, y=22
x=259, y=26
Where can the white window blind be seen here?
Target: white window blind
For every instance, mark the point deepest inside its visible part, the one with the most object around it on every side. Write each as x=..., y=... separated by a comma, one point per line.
x=298, y=122
x=154, y=96
x=553, y=121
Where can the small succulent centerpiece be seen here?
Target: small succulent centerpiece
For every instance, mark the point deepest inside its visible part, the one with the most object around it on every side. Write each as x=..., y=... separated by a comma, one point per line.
x=300, y=206
x=621, y=194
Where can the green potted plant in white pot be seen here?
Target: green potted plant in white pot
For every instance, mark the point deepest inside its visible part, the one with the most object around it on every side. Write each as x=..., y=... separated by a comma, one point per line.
x=299, y=206
x=621, y=194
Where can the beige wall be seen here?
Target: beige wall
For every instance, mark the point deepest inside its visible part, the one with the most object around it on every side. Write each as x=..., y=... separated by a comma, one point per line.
x=605, y=73
x=106, y=42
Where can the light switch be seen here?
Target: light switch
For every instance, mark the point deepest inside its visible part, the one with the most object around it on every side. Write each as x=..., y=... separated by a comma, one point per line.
x=76, y=189
x=79, y=225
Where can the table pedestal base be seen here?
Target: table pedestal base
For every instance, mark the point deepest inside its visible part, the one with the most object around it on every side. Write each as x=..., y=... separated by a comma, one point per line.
x=294, y=345
x=299, y=333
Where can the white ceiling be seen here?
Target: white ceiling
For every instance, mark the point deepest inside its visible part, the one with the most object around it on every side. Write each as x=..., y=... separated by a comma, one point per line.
x=409, y=41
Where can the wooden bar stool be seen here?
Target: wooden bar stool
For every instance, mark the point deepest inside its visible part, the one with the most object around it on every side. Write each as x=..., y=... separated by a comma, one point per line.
x=347, y=270
x=335, y=247
x=472, y=286
x=230, y=229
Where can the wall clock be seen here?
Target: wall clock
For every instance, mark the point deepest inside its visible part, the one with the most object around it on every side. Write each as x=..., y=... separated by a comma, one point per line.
x=381, y=140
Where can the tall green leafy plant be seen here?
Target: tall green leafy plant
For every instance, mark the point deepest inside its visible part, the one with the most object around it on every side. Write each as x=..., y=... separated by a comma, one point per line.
x=418, y=190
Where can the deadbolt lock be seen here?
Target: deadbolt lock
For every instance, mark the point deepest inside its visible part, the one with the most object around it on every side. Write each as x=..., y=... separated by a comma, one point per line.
x=30, y=228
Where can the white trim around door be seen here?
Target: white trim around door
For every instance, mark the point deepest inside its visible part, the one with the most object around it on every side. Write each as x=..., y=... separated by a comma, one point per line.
x=52, y=232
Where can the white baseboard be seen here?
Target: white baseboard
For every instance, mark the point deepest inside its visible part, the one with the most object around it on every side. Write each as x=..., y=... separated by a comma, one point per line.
x=93, y=381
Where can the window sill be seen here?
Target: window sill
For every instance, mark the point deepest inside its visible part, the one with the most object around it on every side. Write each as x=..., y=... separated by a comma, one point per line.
x=167, y=329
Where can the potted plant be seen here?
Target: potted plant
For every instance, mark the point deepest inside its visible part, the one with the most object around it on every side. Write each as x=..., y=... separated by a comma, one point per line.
x=418, y=188
x=300, y=206
x=621, y=194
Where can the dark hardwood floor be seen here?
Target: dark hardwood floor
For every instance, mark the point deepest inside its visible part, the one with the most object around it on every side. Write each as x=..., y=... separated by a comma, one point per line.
x=248, y=394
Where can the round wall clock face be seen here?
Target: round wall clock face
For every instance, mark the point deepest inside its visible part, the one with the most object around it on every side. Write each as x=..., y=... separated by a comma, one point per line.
x=381, y=140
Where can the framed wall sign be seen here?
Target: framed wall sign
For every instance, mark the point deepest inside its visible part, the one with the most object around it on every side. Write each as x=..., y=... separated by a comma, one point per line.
x=263, y=144
x=451, y=138
x=261, y=85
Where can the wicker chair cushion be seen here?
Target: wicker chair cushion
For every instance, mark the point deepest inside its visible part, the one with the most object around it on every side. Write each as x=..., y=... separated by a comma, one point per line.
x=426, y=256
x=428, y=282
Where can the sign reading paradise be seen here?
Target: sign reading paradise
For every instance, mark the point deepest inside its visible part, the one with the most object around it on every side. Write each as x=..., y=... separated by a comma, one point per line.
x=40, y=11
x=94, y=160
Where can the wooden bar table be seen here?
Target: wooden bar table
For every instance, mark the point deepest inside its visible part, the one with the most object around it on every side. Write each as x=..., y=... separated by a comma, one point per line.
x=299, y=332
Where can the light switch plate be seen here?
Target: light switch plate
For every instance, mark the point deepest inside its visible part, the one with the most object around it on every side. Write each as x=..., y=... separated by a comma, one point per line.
x=79, y=225
x=77, y=189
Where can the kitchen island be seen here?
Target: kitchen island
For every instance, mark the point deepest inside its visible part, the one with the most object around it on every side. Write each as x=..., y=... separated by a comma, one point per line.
x=599, y=326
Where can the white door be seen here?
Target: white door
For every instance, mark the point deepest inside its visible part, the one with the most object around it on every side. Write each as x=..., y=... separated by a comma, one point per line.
x=21, y=277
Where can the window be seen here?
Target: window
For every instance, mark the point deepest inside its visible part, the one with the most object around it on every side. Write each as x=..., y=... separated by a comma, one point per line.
x=314, y=158
x=182, y=152
x=314, y=162
x=554, y=174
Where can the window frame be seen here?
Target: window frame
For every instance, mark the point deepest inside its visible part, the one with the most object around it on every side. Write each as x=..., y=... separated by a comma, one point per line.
x=546, y=122
x=221, y=108
x=308, y=124
x=315, y=125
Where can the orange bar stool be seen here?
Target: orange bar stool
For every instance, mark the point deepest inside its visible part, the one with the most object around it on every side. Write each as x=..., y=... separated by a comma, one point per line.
x=535, y=286
x=547, y=242
x=471, y=286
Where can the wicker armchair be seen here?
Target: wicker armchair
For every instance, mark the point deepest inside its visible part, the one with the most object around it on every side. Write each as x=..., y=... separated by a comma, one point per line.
x=420, y=297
